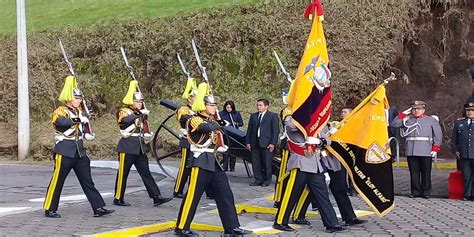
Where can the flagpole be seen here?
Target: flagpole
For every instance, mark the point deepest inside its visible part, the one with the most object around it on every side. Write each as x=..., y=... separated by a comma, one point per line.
x=23, y=100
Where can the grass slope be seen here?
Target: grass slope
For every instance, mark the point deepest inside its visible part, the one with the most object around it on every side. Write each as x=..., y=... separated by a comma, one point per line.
x=51, y=14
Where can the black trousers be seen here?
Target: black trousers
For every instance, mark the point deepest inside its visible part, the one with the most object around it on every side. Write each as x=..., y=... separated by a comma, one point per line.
x=229, y=162
x=183, y=172
x=420, y=175
x=338, y=190
x=262, y=164
x=316, y=184
x=82, y=168
x=347, y=181
x=201, y=180
x=141, y=164
x=467, y=169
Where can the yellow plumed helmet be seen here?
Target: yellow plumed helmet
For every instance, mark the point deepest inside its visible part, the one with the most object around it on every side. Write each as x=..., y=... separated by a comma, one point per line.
x=203, y=90
x=67, y=94
x=190, y=89
x=132, y=89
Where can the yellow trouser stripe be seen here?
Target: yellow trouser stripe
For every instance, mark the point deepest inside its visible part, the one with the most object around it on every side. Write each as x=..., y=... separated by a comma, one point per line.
x=281, y=173
x=181, y=170
x=189, y=197
x=286, y=197
x=301, y=202
x=54, y=181
x=118, y=192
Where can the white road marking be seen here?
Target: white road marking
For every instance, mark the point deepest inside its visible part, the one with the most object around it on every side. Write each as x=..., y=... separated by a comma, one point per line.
x=69, y=198
x=4, y=210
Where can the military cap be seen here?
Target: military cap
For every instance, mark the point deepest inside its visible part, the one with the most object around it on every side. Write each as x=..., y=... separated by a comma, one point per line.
x=469, y=105
x=418, y=104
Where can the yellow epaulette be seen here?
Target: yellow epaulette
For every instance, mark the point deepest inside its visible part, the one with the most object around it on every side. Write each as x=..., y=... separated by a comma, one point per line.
x=183, y=110
x=61, y=111
x=194, y=122
x=123, y=112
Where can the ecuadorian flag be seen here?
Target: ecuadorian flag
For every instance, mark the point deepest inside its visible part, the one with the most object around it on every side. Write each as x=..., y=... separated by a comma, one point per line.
x=361, y=145
x=310, y=95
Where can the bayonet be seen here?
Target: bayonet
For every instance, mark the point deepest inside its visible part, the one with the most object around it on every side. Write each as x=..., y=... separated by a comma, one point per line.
x=287, y=75
x=129, y=68
x=198, y=59
x=66, y=59
x=186, y=72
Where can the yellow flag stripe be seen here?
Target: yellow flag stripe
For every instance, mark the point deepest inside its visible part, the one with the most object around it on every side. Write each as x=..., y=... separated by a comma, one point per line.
x=181, y=169
x=54, y=182
x=301, y=202
x=118, y=192
x=286, y=197
x=189, y=197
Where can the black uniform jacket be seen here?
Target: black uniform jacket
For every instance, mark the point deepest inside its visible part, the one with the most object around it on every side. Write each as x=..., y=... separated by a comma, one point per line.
x=62, y=120
x=462, y=139
x=200, y=129
x=132, y=144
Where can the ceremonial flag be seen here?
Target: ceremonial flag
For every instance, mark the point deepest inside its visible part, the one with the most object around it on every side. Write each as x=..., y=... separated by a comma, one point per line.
x=361, y=145
x=310, y=95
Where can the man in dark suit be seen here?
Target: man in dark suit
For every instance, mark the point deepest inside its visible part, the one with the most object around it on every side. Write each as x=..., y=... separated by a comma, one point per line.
x=262, y=137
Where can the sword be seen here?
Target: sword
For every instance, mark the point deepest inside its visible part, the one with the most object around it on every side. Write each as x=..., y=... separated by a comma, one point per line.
x=186, y=72
x=288, y=77
x=129, y=68
x=198, y=59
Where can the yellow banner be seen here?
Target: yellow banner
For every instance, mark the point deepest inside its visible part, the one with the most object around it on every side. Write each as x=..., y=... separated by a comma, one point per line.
x=367, y=123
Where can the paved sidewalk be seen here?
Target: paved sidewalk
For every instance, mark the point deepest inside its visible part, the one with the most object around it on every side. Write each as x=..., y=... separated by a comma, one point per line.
x=410, y=217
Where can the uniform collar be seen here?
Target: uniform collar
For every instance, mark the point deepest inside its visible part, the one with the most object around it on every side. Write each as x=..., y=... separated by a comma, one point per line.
x=421, y=116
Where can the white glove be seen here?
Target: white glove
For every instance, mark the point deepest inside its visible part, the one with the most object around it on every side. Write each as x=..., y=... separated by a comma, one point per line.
x=407, y=111
x=84, y=119
x=434, y=153
x=145, y=111
x=332, y=130
x=147, y=137
x=435, y=117
x=89, y=136
x=184, y=132
x=313, y=141
x=222, y=149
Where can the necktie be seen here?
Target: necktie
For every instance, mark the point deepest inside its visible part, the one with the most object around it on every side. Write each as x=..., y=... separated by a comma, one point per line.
x=259, y=119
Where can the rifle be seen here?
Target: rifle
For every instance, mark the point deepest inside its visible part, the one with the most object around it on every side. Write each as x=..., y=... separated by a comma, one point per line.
x=88, y=127
x=146, y=125
x=220, y=137
x=288, y=77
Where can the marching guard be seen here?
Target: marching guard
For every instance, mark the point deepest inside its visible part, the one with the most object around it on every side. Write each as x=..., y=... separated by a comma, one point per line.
x=206, y=172
x=182, y=115
x=72, y=127
x=134, y=130
x=306, y=170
